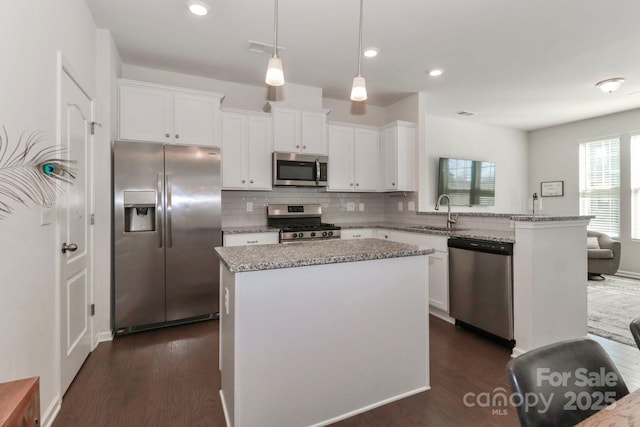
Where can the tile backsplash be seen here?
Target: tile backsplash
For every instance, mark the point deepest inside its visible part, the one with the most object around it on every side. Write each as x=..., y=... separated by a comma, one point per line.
x=336, y=208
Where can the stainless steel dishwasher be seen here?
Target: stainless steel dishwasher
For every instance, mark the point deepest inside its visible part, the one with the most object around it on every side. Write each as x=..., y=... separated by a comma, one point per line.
x=481, y=286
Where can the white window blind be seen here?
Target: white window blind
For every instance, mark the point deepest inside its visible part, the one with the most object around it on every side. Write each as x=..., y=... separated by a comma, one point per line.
x=600, y=184
x=635, y=187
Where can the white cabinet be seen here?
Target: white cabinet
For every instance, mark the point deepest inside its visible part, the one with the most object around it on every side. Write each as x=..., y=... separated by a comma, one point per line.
x=399, y=154
x=354, y=158
x=299, y=131
x=356, y=233
x=246, y=150
x=438, y=264
x=157, y=113
x=247, y=239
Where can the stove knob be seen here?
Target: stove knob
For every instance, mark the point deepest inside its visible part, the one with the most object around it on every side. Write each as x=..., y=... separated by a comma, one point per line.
x=324, y=234
x=300, y=235
x=330, y=233
x=313, y=234
x=294, y=235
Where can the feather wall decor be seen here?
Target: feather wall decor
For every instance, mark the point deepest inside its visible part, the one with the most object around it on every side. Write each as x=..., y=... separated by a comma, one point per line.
x=31, y=172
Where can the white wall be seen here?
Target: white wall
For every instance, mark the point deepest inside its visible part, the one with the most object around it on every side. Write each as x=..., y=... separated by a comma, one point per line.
x=32, y=33
x=445, y=137
x=352, y=112
x=553, y=156
x=109, y=67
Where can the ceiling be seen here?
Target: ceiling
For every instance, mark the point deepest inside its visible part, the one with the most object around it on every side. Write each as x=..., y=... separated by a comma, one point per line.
x=522, y=64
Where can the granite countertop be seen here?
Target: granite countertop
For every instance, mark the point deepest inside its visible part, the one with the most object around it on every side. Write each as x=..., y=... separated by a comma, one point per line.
x=469, y=233
x=250, y=229
x=267, y=257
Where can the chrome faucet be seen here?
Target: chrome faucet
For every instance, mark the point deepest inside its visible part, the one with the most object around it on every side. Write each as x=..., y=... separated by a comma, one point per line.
x=450, y=221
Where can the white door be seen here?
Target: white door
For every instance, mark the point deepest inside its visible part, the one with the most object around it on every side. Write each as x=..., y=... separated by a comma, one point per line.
x=74, y=235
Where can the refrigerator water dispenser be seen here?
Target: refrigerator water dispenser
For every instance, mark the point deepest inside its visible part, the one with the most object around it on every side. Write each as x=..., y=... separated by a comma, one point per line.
x=139, y=211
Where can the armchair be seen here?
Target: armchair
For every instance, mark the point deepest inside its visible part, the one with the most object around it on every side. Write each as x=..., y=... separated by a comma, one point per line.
x=603, y=255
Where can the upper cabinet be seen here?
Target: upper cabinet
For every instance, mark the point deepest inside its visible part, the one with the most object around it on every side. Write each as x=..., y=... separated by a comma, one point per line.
x=156, y=113
x=354, y=158
x=246, y=150
x=299, y=131
x=398, y=141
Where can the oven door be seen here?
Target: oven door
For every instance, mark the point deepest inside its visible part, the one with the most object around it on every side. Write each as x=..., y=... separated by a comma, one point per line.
x=291, y=169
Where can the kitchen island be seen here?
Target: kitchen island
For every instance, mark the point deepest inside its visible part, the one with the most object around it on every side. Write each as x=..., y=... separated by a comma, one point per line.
x=313, y=333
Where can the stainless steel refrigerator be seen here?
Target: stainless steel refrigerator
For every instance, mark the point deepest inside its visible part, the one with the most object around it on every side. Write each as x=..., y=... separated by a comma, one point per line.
x=166, y=223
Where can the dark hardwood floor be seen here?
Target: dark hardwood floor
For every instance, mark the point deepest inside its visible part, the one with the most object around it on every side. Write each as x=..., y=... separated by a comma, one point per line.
x=170, y=377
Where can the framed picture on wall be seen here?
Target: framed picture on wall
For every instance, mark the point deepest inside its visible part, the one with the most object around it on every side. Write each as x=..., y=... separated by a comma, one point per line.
x=552, y=189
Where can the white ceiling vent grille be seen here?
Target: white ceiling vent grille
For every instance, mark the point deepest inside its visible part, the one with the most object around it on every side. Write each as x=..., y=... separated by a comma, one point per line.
x=466, y=113
x=258, y=47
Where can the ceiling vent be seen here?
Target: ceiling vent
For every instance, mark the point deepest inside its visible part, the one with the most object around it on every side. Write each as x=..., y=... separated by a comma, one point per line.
x=466, y=113
x=257, y=47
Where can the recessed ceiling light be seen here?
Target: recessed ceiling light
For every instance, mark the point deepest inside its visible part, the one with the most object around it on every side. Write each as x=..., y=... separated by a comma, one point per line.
x=371, y=52
x=198, y=7
x=466, y=113
x=610, y=85
x=436, y=72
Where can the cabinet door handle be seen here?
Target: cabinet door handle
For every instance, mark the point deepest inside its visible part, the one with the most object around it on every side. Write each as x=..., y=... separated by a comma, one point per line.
x=177, y=136
x=244, y=181
x=304, y=147
x=251, y=182
x=393, y=183
x=297, y=146
x=251, y=241
x=357, y=184
x=351, y=184
x=167, y=135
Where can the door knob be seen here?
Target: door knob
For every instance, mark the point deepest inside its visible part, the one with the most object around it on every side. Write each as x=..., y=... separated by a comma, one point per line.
x=71, y=247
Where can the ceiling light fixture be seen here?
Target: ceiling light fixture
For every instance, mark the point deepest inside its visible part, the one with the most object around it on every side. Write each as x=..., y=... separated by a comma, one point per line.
x=359, y=89
x=198, y=7
x=275, y=75
x=436, y=72
x=371, y=52
x=610, y=85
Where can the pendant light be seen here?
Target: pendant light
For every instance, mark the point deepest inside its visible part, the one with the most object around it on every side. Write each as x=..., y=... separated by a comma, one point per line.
x=359, y=90
x=275, y=75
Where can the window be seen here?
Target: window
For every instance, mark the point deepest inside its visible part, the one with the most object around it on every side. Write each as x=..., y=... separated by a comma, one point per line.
x=600, y=184
x=635, y=187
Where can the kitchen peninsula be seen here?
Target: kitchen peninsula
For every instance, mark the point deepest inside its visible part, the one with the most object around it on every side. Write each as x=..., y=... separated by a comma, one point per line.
x=316, y=332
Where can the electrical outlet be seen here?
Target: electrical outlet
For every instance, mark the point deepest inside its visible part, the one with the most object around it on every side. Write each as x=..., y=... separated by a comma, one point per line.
x=361, y=207
x=351, y=207
x=411, y=206
x=45, y=215
x=249, y=206
x=399, y=206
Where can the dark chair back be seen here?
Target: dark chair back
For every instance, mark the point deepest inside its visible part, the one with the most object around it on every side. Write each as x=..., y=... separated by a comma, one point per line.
x=563, y=383
x=635, y=330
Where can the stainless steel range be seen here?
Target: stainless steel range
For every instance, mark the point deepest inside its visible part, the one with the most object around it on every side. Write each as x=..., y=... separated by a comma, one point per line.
x=300, y=223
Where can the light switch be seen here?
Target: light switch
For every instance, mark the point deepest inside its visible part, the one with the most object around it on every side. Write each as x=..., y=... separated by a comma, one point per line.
x=399, y=206
x=249, y=206
x=411, y=206
x=351, y=207
x=361, y=207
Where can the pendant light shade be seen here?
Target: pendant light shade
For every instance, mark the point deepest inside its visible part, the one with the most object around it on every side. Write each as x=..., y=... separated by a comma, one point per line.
x=275, y=74
x=359, y=89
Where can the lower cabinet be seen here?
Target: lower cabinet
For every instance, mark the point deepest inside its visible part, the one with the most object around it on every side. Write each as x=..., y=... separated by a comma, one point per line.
x=246, y=239
x=356, y=233
x=438, y=264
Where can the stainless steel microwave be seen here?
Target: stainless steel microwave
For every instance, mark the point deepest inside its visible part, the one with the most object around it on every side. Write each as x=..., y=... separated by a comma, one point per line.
x=304, y=170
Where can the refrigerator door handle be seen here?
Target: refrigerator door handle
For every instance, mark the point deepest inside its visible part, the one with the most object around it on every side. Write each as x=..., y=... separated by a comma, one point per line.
x=159, y=208
x=169, y=218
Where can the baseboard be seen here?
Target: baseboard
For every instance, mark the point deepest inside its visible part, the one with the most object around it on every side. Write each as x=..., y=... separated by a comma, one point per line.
x=441, y=315
x=629, y=274
x=49, y=415
x=104, y=337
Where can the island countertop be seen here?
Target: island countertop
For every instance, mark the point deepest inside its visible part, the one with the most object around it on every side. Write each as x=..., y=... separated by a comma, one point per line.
x=267, y=257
